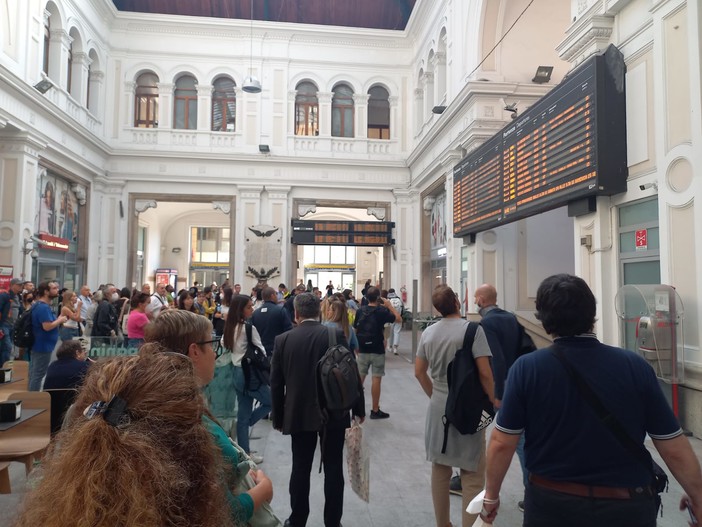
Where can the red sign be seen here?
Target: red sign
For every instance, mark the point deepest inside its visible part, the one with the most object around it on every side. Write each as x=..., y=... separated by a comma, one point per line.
x=53, y=242
x=5, y=277
x=641, y=238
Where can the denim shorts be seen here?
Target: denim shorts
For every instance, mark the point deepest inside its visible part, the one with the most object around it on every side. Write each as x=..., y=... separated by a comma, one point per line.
x=366, y=360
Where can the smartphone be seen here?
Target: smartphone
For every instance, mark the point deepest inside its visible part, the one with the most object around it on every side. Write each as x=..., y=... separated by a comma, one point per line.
x=693, y=518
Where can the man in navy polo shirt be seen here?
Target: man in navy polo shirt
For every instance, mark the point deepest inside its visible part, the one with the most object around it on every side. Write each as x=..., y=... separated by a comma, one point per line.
x=580, y=475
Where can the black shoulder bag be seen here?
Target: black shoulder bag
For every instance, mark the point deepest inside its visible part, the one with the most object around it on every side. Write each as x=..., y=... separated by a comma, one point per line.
x=642, y=455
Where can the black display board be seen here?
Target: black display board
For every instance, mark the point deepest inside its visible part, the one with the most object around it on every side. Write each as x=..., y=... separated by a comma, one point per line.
x=358, y=233
x=571, y=144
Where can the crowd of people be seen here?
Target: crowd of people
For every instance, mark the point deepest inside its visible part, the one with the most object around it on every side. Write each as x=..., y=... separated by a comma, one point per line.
x=163, y=434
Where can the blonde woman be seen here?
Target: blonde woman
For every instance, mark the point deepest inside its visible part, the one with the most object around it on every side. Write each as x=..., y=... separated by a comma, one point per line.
x=337, y=317
x=71, y=310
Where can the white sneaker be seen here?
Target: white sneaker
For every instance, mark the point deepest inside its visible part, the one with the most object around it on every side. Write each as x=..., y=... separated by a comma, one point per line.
x=253, y=456
x=394, y=350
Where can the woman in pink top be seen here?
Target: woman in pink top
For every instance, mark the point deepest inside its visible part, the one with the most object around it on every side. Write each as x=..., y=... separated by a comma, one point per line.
x=137, y=320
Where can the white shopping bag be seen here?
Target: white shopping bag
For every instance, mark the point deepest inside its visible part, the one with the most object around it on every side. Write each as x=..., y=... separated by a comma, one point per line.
x=358, y=461
x=475, y=506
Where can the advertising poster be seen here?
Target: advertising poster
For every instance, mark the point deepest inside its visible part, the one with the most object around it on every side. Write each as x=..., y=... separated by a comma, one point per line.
x=57, y=210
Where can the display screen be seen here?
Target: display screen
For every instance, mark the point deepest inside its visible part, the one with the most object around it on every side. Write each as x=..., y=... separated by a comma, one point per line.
x=360, y=233
x=569, y=145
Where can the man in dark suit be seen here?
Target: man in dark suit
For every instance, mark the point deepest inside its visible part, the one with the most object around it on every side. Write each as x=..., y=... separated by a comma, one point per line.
x=270, y=319
x=297, y=412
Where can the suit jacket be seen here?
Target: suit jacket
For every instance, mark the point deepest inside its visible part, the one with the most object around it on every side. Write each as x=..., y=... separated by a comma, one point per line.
x=270, y=320
x=502, y=332
x=294, y=397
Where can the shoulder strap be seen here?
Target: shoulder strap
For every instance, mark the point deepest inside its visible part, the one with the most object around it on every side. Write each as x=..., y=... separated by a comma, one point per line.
x=608, y=419
x=249, y=331
x=332, y=336
x=469, y=337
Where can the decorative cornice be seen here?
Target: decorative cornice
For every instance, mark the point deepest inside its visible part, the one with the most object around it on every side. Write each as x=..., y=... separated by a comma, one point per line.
x=303, y=209
x=378, y=212
x=585, y=37
x=142, y=205
x=224, y=206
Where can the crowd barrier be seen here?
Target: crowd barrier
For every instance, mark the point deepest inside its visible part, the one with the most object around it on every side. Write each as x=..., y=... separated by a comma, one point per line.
x=100, y=347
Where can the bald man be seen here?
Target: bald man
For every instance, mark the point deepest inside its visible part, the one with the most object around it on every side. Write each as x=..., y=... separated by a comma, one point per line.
x=503, y=334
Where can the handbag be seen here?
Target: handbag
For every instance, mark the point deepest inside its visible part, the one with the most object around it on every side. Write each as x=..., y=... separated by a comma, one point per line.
x=264, y=516
x=255, y=363
x=358, y=461
x=659, y=478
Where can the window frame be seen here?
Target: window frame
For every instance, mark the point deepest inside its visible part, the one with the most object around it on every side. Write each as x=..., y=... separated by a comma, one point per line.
x=383, y=130
x=341, y=108
x=308, y=109
x=186, y=100
x=151, y=103
x=223, y=101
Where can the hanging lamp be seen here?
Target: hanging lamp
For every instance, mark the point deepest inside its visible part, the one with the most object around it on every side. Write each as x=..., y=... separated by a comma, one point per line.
x=251, y=83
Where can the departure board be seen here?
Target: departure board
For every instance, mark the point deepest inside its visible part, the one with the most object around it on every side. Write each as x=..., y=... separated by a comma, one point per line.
x=569, y=145
x=356, y=233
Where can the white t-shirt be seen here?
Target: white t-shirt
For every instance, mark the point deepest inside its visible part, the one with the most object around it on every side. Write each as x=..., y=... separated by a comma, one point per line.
x=157, y=303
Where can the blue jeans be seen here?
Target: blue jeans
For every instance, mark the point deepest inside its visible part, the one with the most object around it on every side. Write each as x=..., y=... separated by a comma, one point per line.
x=246, y=415
x=6, y=343
x=68, y=333
x=37, y=369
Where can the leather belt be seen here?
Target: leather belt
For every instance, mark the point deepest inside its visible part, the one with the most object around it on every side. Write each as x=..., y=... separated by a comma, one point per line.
x=592, y=491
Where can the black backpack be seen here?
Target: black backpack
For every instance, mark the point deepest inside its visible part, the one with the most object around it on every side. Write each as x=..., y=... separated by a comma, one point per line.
x=338, y=381
x=255, y=363
x=526, y=343
x=468, y=407
x=366, y=326
x=23, y=330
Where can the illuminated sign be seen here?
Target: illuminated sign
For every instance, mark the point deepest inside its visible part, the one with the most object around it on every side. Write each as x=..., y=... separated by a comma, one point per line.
x=352, y=233
x=569, y=145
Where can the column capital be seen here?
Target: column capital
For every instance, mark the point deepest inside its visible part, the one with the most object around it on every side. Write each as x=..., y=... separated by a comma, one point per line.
x=324, y=97
x=22, y=143
x=278, y=192
x=360, y=98
x=250, y=192
x=204, y=90
x=165, y=88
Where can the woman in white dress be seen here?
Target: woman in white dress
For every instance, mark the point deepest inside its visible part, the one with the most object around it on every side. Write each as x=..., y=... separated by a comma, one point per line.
x=437, y=348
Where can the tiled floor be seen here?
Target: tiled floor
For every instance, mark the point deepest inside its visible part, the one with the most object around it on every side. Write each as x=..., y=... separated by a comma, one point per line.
x=400, y=494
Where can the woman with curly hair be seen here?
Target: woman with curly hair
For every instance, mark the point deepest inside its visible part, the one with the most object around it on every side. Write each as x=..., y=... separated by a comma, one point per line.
x=138, y=455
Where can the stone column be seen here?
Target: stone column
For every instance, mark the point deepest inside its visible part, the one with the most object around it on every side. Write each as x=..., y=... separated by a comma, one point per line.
x=108, y=232
x=407, y=215
x=292, y=94
x=325, y=99
x=79, y=78
x=129, y=102
x=59, y=44
x=239, y=115
x=453, y=245
x=96, y=80
x=360, y=108
x=204, y=107
x=279, y=214
x=439, y=63
x=394, y=126
x=418, y=108
x=248, y=213
x=165, y=105
x=428, y=95
x=19, y=166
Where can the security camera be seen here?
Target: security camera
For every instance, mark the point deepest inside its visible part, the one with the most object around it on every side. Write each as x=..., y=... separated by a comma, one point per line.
x=646, y=186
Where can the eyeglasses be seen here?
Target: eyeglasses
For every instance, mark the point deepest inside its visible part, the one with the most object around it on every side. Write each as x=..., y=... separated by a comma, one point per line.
x=216, y=346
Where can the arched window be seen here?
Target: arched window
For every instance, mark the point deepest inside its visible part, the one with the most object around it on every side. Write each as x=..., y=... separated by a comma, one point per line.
x=378, y=113
x=146, y=101
x=306, y=109
x=223, y=105
x=342, y=111
x=185, y=103
x=47, y=43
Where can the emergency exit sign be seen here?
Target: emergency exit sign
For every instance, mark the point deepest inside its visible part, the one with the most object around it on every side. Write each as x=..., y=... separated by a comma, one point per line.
x=641, y=240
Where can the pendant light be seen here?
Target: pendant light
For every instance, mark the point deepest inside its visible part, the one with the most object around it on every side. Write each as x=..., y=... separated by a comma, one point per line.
x=251, y=83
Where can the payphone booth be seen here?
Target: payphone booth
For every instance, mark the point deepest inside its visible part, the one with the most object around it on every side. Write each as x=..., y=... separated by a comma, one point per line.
x=652, y=317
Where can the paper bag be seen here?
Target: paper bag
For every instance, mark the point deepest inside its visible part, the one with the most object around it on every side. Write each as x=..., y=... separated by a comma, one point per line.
x=358, y=461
